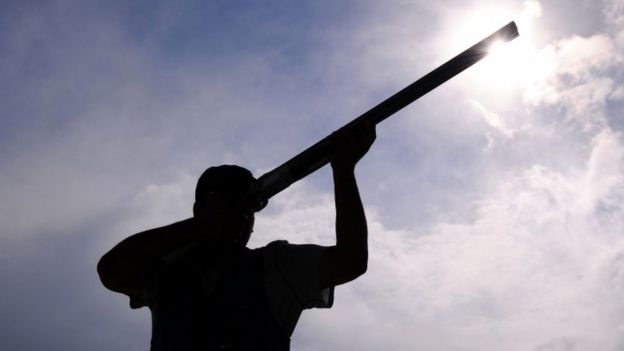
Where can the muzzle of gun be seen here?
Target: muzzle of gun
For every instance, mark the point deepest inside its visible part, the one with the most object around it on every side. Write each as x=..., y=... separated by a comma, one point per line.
x=319, y=154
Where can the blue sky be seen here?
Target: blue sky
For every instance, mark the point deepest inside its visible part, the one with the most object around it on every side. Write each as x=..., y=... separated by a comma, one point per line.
x=495, y=203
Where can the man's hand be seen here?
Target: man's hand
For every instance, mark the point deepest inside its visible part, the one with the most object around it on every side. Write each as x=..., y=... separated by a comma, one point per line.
x=351, y=144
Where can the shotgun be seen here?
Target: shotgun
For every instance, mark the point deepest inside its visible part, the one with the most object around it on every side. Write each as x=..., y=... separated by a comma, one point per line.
x=319, y=154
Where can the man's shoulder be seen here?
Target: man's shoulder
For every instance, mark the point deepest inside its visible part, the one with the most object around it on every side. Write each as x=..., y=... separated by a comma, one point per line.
x=288, y=256
x=285, y=247
x=275, y=243
x=271, y=247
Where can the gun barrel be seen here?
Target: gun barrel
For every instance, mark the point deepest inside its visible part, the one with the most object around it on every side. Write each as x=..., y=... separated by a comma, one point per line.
x=319, y=154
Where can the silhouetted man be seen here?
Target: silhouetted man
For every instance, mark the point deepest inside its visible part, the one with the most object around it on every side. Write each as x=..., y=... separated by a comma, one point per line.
x=207, y=291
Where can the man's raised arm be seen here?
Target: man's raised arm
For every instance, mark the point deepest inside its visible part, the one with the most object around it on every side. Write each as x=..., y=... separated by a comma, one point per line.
x=348, y=259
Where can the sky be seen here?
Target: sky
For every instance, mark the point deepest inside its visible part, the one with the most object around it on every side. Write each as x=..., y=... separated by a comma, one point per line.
x=495, y=203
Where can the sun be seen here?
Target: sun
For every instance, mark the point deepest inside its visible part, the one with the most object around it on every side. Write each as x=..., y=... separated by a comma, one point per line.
x=509, y=65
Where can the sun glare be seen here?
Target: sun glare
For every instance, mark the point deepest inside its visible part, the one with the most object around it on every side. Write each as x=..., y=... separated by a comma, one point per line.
x=496, y=48
x=511, y=64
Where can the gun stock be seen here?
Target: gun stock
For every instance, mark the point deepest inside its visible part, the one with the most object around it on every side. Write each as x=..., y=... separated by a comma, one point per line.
x=319, y=154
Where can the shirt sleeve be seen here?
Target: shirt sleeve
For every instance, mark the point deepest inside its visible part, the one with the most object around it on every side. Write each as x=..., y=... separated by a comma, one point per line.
x=292, y=281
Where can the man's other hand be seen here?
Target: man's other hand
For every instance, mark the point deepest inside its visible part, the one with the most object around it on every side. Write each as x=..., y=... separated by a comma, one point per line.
x=351, y=144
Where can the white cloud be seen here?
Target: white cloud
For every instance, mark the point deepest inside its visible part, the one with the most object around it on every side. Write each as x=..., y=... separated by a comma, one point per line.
x=617, y=94
x=297, y=215
x=580, y=78
x=531, y=10
x=493, y=119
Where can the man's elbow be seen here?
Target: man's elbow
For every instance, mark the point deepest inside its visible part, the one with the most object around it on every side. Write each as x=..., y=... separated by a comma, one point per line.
x=108, y=275
x=357, y=266
x=104, y=272
x=360, y=268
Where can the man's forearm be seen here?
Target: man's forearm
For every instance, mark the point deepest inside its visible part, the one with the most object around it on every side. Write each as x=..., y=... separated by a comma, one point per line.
x=351, y=228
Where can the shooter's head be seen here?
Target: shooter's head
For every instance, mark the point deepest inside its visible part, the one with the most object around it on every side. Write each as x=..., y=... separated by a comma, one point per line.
x=221, y=191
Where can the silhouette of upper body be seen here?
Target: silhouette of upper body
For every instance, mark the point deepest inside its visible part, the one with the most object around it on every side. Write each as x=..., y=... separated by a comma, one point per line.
x=207, y=291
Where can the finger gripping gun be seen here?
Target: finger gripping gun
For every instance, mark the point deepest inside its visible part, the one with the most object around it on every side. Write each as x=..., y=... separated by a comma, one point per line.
x=319, y=154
